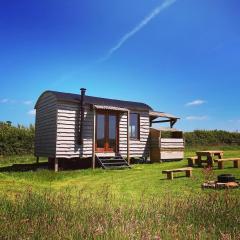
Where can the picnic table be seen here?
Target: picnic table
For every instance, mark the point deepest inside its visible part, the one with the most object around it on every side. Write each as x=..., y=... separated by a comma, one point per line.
x=209, y=155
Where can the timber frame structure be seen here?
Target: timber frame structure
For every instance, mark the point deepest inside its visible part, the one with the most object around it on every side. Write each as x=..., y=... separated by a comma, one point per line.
x=76, y=126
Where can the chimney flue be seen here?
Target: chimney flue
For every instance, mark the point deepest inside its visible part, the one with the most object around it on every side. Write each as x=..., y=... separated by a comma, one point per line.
x=83, y=91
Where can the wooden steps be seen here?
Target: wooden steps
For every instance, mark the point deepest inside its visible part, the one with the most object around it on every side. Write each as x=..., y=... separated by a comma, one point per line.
x=113, y=162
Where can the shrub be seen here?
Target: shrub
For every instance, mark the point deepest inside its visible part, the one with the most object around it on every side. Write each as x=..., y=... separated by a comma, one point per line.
x=212, y=138
x=16, y=139
x=19, y=140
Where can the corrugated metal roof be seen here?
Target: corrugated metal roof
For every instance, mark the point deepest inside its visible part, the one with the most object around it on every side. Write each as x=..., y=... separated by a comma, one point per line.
x=100, y=101
x=111, y=108
x=162, y=114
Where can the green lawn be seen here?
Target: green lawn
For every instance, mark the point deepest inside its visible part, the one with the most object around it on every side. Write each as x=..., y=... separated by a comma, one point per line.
x=136, y=203
x=144, y=179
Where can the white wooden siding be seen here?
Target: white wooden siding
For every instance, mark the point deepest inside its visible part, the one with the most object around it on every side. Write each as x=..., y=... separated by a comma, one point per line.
x=57, y=131
x=167, y=148
x=138, y=148
x=171, y=143
x=46, y=125
x=68, y=123
x=168, y=155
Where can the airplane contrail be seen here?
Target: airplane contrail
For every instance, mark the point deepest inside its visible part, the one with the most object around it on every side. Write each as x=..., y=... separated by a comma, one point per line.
x=142, y=24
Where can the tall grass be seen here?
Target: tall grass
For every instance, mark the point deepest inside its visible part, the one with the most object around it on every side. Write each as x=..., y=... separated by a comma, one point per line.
x=49, y=215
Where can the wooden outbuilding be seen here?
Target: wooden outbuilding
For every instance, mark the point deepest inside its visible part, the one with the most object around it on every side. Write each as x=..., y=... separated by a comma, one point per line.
x=166, y=144
x=107, y=131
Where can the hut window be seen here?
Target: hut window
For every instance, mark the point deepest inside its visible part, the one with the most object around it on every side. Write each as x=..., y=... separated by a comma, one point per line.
x=134, y=129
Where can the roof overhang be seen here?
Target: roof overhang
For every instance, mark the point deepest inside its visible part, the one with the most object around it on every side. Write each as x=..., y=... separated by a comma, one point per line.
x=155, y=114
x=167, y=118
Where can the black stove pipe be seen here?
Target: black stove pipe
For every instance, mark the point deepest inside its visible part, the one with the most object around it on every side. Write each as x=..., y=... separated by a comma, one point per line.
x=83, y=91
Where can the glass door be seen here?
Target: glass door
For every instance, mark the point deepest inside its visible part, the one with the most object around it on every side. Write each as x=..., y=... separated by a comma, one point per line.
x=106, y=132
x=112, y=133
x=100, y=132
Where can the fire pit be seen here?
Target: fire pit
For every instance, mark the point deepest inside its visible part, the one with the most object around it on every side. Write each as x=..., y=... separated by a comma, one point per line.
x=224, y=181
x=225, y=178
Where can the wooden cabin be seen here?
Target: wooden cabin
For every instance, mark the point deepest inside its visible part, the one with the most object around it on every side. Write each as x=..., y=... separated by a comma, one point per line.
x=109, y=132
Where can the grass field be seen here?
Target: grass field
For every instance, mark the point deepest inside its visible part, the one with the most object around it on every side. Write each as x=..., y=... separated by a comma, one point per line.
x=137, y=203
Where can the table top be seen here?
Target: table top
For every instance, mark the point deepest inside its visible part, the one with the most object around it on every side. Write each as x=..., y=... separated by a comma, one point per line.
x=210, y=152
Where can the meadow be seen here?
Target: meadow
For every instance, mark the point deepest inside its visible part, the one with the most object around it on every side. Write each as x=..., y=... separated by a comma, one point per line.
x=136, y=203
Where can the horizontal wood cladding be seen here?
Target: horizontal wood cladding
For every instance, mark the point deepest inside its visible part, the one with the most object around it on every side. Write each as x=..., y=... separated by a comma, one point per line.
x=137, y=148
x=167, y=155
x=162, y=143
x=165, y=148
x=58, y=125
x=171, y=140
x=68, y=128
x=46, y=125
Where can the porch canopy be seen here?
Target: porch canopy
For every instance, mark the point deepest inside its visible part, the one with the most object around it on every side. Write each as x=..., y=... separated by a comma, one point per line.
x=167, y=118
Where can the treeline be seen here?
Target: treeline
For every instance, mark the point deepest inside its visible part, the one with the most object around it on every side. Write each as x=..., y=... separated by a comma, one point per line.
x=19, y=140
x=212, y=138
x=16, y=140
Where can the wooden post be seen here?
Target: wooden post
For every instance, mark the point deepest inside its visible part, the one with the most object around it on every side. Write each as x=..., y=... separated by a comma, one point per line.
x=170, y=175
x=37, y=160
x=128, y=138
x=199, y=161
x=189, y=173
x=94, y=140
x=220, y=165
x=56, y=165
x=210, y=158
x=236, y=164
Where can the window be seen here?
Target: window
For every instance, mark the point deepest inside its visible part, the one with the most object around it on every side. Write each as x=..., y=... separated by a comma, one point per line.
x=134, y=130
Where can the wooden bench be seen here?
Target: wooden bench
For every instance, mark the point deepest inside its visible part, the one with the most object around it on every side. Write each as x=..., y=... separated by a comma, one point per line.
x=236, y=162
x=169, y=173
x=192, y=161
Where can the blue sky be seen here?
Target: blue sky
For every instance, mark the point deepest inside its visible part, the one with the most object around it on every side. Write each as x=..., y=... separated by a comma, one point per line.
x=181, y=56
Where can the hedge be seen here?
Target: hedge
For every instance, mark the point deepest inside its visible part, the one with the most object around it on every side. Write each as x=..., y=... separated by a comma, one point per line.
x=212, y=138
x=19, y=140
x=16, y=140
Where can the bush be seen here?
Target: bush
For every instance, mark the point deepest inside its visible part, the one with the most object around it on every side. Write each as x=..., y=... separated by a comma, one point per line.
x=19, y=140
x=212, y=138
x=16, y=140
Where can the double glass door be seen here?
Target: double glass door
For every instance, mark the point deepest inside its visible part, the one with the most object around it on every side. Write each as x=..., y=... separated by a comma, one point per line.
x=106, y=132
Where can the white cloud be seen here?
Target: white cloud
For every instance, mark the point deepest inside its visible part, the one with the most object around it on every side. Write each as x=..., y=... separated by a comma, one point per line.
x=5, y=100
x=142, y=24
x=32, y=112
x=195, y=103
x=29, y=102
x=13, y=101
x=234, y=121
x=196, y=118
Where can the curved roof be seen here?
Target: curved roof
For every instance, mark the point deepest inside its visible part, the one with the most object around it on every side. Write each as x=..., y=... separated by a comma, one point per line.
x=60, y=96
